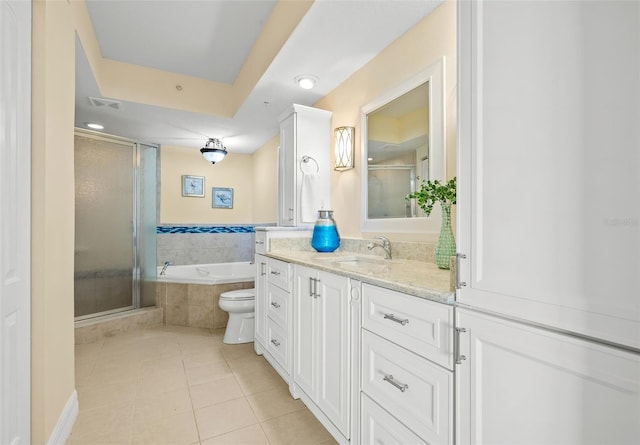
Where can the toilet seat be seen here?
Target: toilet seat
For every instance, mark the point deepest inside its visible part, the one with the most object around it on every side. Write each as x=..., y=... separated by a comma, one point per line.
x=238, y=295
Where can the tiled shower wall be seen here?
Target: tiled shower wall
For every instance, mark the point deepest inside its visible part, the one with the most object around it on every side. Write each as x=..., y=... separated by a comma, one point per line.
x=205, y=244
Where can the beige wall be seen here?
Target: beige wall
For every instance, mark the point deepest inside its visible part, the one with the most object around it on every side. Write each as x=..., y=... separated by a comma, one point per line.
x=432, y=38
x=235, y=171
x=265, y=188
x=52, y=379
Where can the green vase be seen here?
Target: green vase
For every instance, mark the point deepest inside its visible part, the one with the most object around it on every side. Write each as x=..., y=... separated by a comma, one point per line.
x=446, y=243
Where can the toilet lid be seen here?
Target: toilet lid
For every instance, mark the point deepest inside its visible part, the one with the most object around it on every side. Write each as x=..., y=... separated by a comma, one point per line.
x=240, y=294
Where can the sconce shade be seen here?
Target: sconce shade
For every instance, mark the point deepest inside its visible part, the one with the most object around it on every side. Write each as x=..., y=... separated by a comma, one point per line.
x=344, y=148
x=213, y=151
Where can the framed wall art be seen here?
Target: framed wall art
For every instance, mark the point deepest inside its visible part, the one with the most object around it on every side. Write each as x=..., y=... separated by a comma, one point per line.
x=193, y=186
x=222, y=198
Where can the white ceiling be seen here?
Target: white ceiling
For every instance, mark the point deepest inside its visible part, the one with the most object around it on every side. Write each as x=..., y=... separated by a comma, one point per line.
x=211, y=39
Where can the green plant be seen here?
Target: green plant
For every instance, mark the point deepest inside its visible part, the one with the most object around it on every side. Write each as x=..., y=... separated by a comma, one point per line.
x=432, y=191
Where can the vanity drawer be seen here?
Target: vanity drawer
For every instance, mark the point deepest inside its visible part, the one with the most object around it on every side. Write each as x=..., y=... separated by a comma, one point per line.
x=261, y=241
x=278, y=344
x=380, y=427
x=278, y=305
x=420, y=325
x=415, y=391
x=278, y=273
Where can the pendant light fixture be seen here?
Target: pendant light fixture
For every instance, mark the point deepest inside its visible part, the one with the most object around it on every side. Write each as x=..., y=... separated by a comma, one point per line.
x=213, y=151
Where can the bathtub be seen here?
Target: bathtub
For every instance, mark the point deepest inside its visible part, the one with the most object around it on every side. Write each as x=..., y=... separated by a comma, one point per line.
x=218, y=273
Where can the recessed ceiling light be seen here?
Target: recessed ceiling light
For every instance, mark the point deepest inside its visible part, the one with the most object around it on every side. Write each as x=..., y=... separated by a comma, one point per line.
x=94, y=126
x=306, y=81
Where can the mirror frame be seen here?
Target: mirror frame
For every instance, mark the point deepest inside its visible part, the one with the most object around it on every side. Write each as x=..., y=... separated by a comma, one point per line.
x=434, y=74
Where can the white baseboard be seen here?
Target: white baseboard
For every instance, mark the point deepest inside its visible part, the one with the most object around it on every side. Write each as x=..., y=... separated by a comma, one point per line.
x=62, y=430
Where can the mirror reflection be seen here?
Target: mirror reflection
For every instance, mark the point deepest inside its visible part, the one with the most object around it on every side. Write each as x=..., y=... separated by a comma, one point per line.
x=398, y=154
x=402, y=145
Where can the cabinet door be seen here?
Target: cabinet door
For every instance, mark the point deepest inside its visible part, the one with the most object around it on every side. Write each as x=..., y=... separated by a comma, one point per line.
x=521, y=384
x=261, y=298
x=305, y=330
x=549, y=166
x=332, y=352
x=287, y=172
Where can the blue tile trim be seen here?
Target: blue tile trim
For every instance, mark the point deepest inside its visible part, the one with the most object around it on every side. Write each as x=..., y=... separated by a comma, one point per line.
x=204, y=229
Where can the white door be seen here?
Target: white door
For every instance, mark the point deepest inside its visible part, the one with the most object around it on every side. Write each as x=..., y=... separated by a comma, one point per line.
x=305, y=330
x=333, y=351
x=549, y=163
x=525, y=385
x=15, y=221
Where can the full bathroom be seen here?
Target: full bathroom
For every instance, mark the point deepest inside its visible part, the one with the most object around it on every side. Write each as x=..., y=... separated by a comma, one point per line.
x=317, y=234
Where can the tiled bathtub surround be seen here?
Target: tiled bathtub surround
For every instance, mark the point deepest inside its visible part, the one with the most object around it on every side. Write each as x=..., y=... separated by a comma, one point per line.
x=425, y=252
x=195, y=305
x=205, y=244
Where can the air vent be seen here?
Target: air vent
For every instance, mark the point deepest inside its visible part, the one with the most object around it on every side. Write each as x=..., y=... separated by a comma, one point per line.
x=101, y=102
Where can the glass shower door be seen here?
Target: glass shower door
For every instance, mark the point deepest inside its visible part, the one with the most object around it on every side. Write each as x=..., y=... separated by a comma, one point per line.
x=105, y=260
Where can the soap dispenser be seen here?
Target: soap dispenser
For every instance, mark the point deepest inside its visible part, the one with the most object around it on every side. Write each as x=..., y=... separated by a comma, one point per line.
x=325, y=233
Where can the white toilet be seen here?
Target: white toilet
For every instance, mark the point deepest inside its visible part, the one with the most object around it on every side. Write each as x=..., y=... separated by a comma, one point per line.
x=240, y=305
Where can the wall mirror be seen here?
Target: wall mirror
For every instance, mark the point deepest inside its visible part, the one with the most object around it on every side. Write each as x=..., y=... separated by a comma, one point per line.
x=402, y=145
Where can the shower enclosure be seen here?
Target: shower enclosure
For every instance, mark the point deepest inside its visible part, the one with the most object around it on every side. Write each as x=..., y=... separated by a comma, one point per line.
x=115, y=224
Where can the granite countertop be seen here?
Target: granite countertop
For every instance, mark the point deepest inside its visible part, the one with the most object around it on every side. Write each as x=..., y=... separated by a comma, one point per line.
x=421, y=279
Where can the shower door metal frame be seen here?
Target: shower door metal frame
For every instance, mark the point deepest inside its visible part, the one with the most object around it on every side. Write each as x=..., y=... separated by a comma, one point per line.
x=135, y=287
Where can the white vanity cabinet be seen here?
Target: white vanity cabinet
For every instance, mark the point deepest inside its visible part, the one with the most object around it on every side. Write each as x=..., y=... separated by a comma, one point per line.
x=321, y=352
x=407, y=368
x=273, y=310
x=305, y=147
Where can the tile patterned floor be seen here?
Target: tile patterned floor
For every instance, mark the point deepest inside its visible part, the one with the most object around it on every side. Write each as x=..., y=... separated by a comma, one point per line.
x=183, y=386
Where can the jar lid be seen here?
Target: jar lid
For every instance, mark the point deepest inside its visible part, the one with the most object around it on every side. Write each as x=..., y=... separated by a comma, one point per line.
x=325, y=213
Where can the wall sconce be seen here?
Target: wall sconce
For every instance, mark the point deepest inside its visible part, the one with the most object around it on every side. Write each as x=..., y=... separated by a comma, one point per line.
x=213, y=151
x=344, y=148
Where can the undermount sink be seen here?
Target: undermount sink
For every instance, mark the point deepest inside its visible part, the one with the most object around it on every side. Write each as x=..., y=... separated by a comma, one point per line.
x=361, y=263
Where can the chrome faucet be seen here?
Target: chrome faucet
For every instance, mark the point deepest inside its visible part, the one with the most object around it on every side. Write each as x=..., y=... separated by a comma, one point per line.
x=164, y=268
x=385, y=244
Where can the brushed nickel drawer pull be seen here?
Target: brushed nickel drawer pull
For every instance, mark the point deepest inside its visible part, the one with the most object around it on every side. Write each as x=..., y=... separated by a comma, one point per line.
x=396, y=319
x=275, y=304
x=275, y=272
x=401, y=386
x=275, y=342
x=259, y=242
